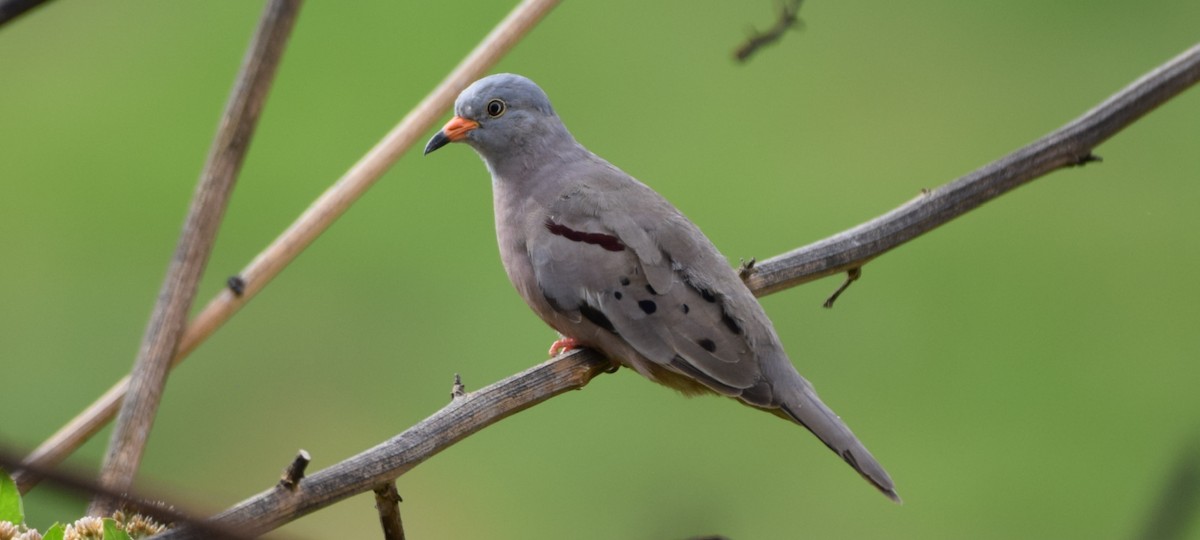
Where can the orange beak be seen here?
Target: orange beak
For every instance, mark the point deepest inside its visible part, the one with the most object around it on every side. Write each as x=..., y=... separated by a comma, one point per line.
x=454, y=130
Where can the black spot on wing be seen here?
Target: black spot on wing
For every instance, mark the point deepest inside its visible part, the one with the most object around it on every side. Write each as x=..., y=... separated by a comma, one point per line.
x=592, y=314
x=606, y=241
x=685, y=308
x=707, y=344
x=731, y=323
x=648, y=306
x=624, y=281
x=617, y=295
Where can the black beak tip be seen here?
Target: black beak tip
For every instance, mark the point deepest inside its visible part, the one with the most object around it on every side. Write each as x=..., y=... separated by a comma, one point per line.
x=437, y=141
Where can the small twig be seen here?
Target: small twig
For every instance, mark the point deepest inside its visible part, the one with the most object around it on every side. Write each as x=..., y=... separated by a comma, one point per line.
x=78, y=483
x=788, y=11
x=11, y=9
x=166, y=325
x=396, y=456
x=852, y=275
x=457, y=390
x=387, y=502
x=744, y=267
x=318, y=217
x=294, y=472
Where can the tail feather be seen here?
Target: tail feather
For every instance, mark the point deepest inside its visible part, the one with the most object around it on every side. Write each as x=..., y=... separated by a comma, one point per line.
x=805, y=408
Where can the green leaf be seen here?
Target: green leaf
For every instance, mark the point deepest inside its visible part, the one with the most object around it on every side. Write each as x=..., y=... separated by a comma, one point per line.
x=112, y=531
x=10, y=500
x=54, y=533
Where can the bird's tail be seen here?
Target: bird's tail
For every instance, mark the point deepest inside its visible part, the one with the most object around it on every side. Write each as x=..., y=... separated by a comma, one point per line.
x=801, y=405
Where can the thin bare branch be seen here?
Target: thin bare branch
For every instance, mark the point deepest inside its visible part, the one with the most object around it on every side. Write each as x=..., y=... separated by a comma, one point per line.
x=387, y=502
x=788, y=18
x=1068, y=146
x=474, y=411
x=396, y=456
x=318, y=217
x=166, y=325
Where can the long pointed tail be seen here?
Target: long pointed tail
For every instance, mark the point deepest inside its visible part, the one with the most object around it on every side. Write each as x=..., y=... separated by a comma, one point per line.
x=801, y=405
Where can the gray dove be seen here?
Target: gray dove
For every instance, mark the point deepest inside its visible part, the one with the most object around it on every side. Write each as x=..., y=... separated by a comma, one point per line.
x=611, y=265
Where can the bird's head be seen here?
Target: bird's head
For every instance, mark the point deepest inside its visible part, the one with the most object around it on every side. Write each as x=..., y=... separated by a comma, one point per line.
x=499, y=115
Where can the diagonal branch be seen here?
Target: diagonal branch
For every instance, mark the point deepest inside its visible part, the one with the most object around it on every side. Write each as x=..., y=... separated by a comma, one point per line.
x=1070, y=145
x=464, y=416
x=166, y=324
x=318, y=217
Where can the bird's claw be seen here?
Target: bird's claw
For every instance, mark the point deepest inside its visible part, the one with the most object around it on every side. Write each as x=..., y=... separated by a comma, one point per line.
x=562, y=345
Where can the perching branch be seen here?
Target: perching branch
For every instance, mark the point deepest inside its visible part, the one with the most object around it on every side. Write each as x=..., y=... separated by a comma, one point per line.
x=318, y=217
x=788, y=17
x=166, y=325
x=462, y=417
x=1067, y=146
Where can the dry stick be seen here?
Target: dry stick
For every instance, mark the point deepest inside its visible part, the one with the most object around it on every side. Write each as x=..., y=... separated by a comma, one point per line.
x=461, y=417
x=387, y=502
x=318, y=217
x=166, y=325
x=474, y=411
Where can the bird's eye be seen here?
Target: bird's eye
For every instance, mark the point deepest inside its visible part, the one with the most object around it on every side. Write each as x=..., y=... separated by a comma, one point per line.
x=495, y=108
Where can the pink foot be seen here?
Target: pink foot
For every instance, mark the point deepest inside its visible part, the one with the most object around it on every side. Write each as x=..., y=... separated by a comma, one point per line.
x=563, y=345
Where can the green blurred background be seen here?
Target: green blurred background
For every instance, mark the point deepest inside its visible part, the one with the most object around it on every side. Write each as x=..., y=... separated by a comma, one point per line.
x=1028, y=370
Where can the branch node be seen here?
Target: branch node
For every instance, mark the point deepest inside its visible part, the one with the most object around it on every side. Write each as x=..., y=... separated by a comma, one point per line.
x=237, y=285
x=745, y=268
x=1085, y=159
x=458, y=390
x=294, y=473
x=852, y=275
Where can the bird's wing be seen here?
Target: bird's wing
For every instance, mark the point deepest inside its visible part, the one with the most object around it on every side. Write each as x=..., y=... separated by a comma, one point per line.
x=616, y=253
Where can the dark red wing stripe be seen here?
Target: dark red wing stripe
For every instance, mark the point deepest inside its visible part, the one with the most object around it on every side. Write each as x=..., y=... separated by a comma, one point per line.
x=606, y=241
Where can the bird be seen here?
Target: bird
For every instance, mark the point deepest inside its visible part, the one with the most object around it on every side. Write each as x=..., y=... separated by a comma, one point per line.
x=611, y=265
